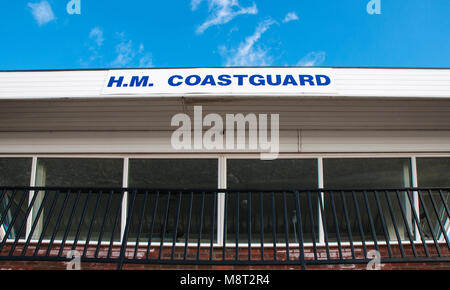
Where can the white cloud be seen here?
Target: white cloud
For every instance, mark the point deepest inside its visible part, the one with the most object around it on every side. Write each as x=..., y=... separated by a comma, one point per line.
x=247, y=53
x=128, y=55
x=222, y=11
x=291, y=16
x=312, y=59
x=97, y=35
x=42, y=12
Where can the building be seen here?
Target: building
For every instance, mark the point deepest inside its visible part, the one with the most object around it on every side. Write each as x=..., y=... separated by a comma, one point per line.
x=88, y=156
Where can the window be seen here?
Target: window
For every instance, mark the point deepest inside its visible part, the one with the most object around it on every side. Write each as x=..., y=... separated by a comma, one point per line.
x=194, y=222
x=434, y=172
x=268, y=207
x=14, y=172
x=58, y=206
x=370, y=174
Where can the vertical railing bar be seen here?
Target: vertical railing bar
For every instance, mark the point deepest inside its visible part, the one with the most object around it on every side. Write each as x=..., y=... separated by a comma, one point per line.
x=361, y=229
x=23, y=224
x=286, y=231
x=324, y=224
x=116, y=221
x=138, y=237
x=372, y=226
x=69, y=224
x=83, y=215
x=444, y=233
x=312, y=225
x=213, y=219
x=394, y=222
x=47, y=221
x=408, y=231
x=416, y=220
x=427, y=218
x=94, y=214
x=336, y=223
x=274, y=233
x=261, y=224
x=237, y=226
x=102, y=228
x=175, y=231
x=123, y=247
x=164, y=227
x=188, y=225
x=200, y=226
x=300, y=231
x=249, y=224
x=58, y=222
x=383, y=223
x=347, y=222
x=150, y=235
x=33, y=227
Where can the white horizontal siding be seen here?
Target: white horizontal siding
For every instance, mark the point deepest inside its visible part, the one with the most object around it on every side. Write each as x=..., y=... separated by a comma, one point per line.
x=349, y=82
x=375, y=141
x=159, y=142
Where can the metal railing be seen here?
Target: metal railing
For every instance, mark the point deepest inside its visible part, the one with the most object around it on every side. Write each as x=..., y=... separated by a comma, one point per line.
x=224, y=227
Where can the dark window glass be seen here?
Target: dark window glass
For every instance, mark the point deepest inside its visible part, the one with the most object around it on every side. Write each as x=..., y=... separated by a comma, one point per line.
x=434, y=172
x=367, y=214
x=168, y=214
x=14, y=172
x=93, y=212
x=272, y=213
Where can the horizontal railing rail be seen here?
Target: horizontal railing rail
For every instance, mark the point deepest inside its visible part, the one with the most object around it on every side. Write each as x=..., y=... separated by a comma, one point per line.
x=224, y=226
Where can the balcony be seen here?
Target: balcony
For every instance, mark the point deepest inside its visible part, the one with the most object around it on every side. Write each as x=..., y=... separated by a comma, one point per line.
x=224, y=227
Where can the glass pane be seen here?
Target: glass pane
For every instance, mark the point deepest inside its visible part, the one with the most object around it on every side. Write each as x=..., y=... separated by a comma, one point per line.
x=434, y=172
x=155, y=212
x=273, y=214
x=371, y=213
x=92, y=211
x=14, y=172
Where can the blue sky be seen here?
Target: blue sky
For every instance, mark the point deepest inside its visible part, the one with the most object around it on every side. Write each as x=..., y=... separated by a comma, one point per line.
x=38, y=34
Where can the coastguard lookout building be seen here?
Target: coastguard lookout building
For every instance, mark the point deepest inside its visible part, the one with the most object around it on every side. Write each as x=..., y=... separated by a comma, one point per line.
x=92, y=167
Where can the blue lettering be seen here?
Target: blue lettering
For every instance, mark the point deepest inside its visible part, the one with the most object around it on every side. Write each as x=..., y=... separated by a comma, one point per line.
x=224, y=80
x=196, y=82
x=140, y=82
x=306, y=79
x=326, y=82
x=240, y=79
x=270, y=82
x=289, y=80
x=260, y=82
x=209, y=80
x=113, y=81
x=171, y=81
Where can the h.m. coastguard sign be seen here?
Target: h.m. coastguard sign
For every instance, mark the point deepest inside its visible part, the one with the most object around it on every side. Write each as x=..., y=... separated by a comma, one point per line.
x=221, y=81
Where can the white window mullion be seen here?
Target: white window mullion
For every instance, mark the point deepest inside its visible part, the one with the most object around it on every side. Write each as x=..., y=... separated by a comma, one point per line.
x=31, y=195
x=123, y=219
x=222, y=184
x=415, y=183
x=321, y=185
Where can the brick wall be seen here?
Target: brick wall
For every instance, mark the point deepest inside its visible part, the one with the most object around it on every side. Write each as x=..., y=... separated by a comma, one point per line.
x=204, y=254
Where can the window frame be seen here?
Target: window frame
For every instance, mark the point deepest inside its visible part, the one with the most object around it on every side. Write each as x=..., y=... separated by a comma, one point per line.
x=222, y=184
